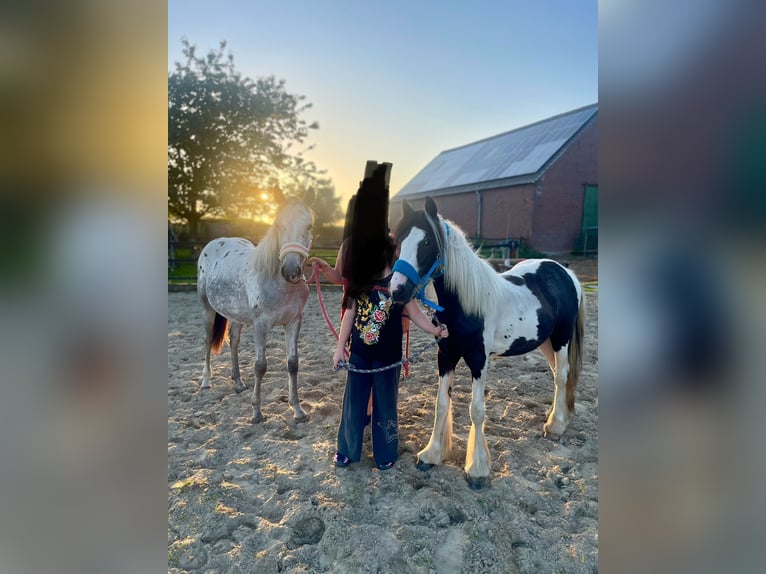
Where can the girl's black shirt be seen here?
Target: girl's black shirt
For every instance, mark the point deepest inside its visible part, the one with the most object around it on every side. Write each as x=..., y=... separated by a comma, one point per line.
x=377, y=331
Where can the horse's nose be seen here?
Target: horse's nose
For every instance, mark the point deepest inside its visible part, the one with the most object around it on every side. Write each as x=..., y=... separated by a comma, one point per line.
x=399, y=294
x=291, y=272
x=398, y=281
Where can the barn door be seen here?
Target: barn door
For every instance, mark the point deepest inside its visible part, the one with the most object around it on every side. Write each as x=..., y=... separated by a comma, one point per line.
x=589, y=233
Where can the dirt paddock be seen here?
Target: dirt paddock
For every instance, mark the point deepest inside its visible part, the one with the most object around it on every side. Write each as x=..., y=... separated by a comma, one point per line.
x=267, y=498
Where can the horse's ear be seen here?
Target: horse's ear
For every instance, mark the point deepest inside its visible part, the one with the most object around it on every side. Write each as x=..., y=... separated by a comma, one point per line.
x=309, y=196
x=430, y=207
x=406, y=209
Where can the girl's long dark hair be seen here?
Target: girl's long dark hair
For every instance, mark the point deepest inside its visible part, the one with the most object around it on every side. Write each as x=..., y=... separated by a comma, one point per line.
x=369, y=248
x=365, y=261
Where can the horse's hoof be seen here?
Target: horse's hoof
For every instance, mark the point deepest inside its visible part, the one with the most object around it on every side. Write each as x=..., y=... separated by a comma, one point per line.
x=423, y=466
x=553, y=431
x=477, y=482
x=304, y=418
x=257, y=418
x=239, y=388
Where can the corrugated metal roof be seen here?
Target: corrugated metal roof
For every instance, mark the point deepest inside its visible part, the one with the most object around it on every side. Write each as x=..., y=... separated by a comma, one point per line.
x=511, y=158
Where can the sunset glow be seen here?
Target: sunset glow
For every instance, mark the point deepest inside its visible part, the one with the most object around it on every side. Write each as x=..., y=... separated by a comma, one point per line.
x=436, y=79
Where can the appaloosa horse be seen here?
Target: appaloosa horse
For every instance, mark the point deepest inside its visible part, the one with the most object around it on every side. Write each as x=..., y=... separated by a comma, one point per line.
x=262, y=286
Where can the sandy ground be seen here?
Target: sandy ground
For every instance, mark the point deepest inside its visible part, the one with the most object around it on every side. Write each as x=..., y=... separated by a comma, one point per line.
x=266, y=498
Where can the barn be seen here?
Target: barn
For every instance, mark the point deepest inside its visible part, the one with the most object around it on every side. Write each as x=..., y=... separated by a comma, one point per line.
x=537, y=185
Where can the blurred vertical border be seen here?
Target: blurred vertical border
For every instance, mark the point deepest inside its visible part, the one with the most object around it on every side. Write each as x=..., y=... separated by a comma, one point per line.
x=83, y=298
x=682, y=92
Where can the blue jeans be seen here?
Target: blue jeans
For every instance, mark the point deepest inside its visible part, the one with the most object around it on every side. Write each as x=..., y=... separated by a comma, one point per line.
x=385, y=418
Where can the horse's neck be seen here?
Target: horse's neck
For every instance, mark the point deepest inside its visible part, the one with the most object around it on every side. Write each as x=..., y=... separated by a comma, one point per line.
x=446, y=296
x=469, y=281
x=265, y=257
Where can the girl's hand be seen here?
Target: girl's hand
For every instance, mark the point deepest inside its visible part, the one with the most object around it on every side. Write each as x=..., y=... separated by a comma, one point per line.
x=441, y=331
x=321, y=264
x=340, y=355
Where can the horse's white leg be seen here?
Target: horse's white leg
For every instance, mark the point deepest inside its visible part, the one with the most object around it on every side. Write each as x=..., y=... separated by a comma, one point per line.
x=477, y=458
x=208, y=320
x=235, y=330
x=292, y=330
x=559, y=416
x=440, y=444
x=260, y=332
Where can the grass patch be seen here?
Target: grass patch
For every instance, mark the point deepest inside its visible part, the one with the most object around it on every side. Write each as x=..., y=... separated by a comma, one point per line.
x=182, y=270
x=529, y=253
x=329, y=255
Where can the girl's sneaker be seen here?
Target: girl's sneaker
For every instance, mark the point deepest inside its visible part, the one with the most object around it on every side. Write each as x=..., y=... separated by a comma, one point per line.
x=341, y=460
x=386, y=465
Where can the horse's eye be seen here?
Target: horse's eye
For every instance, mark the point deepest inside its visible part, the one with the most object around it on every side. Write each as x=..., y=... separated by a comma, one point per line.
x=426, y=241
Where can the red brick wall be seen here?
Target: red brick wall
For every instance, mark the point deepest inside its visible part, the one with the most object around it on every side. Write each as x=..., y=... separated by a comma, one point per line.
x=557, y=216
x=507, y=212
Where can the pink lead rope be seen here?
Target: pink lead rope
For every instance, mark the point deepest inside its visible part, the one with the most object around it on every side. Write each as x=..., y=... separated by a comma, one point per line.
x=315, y=277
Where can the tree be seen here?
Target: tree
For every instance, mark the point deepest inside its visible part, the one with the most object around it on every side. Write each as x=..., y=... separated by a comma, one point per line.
x=326, y=205
x=328, y=228
x=230, y=139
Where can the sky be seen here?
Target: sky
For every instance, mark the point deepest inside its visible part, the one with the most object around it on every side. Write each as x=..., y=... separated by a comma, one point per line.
x=402, y=80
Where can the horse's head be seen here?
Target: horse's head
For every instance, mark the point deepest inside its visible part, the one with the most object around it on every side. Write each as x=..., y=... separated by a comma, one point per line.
x=422, y=241
x=293, y=225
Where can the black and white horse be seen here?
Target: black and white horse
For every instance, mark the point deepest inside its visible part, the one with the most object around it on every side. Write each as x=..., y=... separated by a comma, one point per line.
x=261, y=286
x=538, y=304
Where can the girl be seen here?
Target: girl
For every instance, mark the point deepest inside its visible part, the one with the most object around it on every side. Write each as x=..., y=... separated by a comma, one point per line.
x=374, y=326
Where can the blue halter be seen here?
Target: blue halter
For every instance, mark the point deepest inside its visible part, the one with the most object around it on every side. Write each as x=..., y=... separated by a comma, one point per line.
x=411, y=273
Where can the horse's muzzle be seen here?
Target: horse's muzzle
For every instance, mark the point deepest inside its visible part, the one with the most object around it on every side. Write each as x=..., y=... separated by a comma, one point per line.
x=292, y=272
x=403, y=293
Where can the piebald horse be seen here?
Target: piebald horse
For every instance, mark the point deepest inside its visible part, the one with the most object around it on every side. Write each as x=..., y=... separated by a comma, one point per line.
x=537, y=304
x=263, y=286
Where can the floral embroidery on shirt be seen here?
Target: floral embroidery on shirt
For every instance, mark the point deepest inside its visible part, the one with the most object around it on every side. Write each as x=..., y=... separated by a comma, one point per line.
x=370, y=317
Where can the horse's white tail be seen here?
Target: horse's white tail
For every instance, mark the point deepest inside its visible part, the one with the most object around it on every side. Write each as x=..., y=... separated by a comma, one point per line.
x=219, y=333
x=575, y=355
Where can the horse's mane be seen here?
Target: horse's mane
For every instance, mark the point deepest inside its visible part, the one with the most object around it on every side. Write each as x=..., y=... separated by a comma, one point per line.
x=266, y=254
x=476, y=283
x=265, y=257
